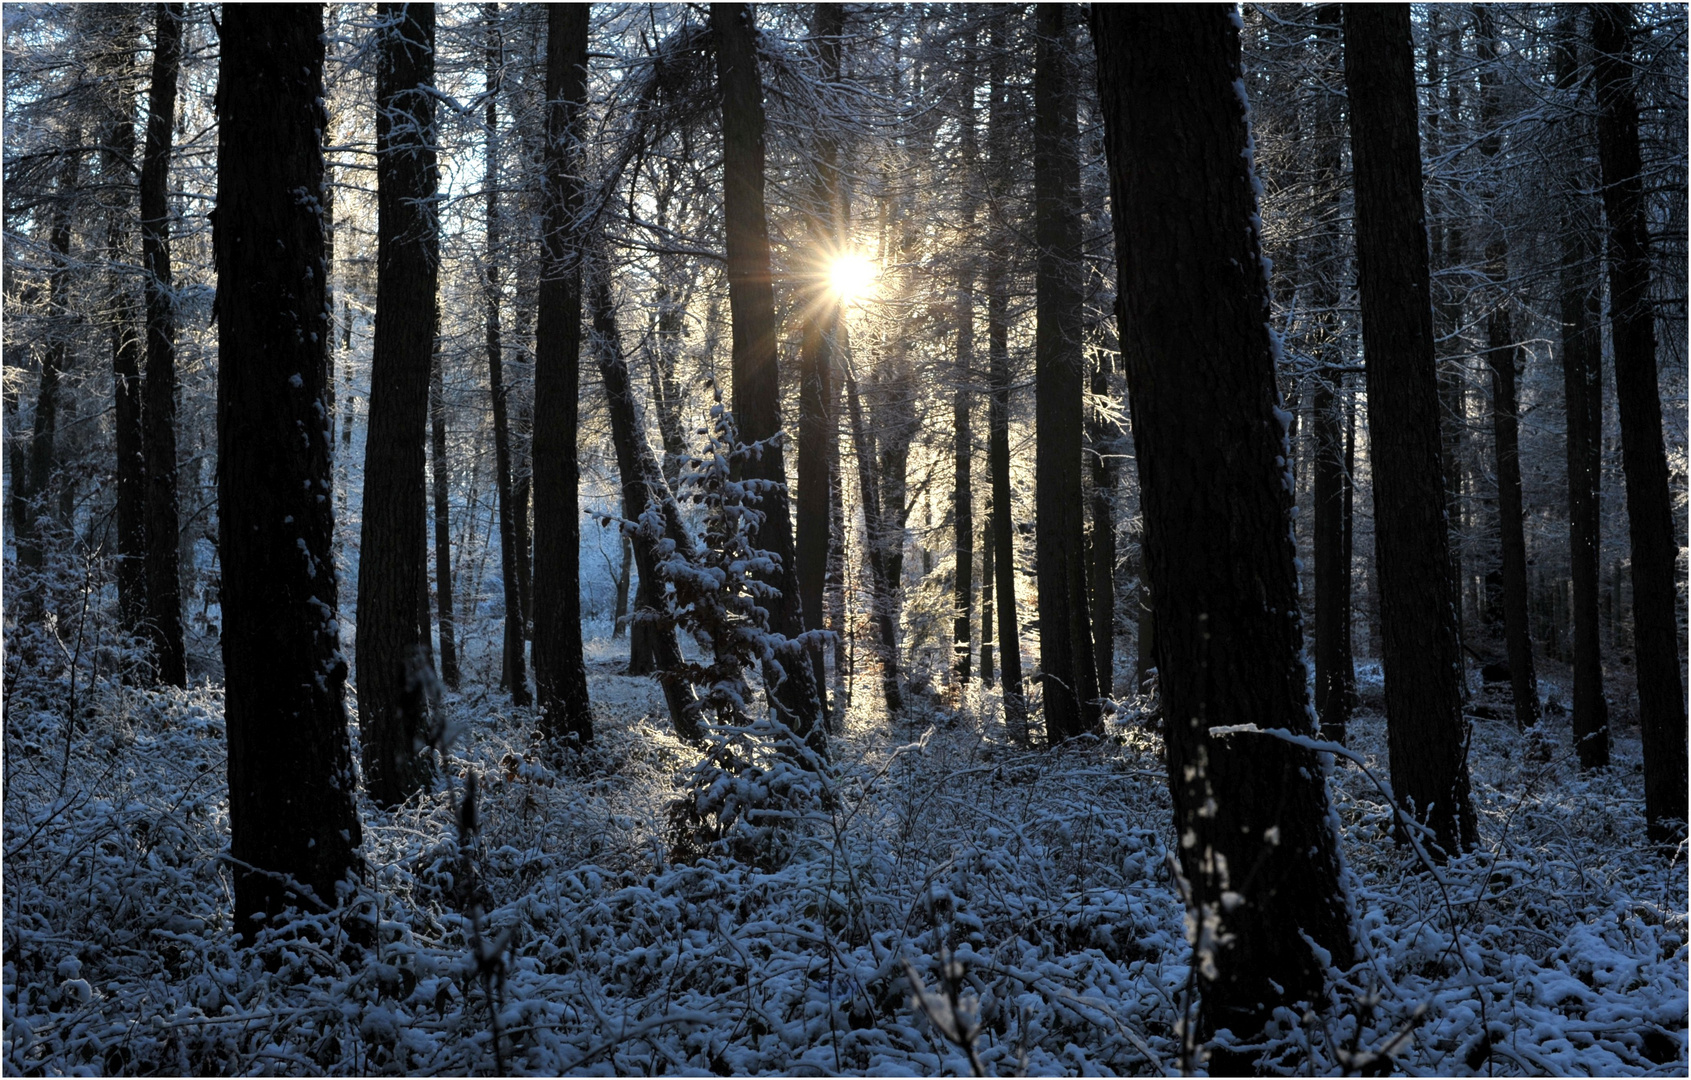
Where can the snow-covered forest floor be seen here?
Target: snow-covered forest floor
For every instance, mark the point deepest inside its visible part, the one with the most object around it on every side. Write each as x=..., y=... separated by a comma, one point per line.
x=1557, y=948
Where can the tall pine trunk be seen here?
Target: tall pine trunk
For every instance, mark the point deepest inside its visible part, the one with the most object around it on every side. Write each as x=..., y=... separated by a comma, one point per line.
x=998, y=408
x=1649, y=506
x=128, y=342
x=158, y=415
x=1067, y=674
x=1334, y=671
x=1427, y=735
x=1258, y=842
x=393, y=548
x=44, y=433
x=757, y=389
x=643, y=489
x=882, y=577
x=1503, y=356
x=513, y=674
x=1582, y=383
x=818, y=437
x=560, y=669
x=294, y=831
x=442, y=521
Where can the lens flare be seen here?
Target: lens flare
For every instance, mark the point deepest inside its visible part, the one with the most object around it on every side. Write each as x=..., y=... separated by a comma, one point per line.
x=852, y=277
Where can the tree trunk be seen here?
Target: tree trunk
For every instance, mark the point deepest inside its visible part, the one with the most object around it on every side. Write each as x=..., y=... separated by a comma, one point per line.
x=158, y=417
x=442, y=522
x=1334, y=671
x=1104, y=435
x=522, y=487
x=560, y=669
x=1258, y=839
x=128, y=342
x=998, y=409
x=393, y=549
x=292, y=816
x=989, y=674
x=1661, y=701
x=513, y=676
x=1582, y=382
x=875, y=529
x=1503, y=357
x=1447, y=241
x=1065, y=626
x=1420, y=650
x=818, y=435
x=643, y=490
x=751, y=300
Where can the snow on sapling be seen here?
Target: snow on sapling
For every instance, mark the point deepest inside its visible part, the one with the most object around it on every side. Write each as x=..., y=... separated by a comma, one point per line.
x=758, y=780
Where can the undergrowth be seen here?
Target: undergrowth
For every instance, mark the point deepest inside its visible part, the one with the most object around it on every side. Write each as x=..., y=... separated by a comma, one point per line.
x=1028, y=891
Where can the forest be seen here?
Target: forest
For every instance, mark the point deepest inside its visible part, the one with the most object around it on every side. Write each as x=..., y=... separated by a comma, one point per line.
x=845, y=539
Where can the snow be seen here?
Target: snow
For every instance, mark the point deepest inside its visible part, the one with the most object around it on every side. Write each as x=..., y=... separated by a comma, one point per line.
x=1033, y=885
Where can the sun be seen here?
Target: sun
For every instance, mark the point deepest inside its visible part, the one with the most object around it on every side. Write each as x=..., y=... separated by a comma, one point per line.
x=852, y=277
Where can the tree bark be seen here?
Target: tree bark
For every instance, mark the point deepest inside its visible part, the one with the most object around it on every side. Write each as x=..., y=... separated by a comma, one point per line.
x=513, y=673
x=1257, y=838
x=442, y=521
x=1447, y=240
x=998, y=408
x=989, y=674
x=1503, y=357
x=1420, y=651
x=1067, y=673
x=44, y=434
x=1334, y=670
x=294, y=831
x=751, y=300
x=1582, y=383
x=1655, y=629
x=818, y=431
x=393, y=549
x=643, y=489
x=128, y=341
x=560, y=669
x=158, y=416
x=875, y=529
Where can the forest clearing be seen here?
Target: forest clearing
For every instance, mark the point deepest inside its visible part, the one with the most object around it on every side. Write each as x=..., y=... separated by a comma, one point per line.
x=845, y=539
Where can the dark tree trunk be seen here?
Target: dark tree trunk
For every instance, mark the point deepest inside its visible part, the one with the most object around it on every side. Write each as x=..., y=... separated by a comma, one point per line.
x=560, y=669
x=1582, y=382
x=127, y=344
x=643, y=489
x=818, y=437
x=1447, y=241
x=751, y=300
x=292, y=814
x=393, y=550
x=836, y=585
x=1661, y=701
x=1503, y=357
x=1101, y=556
x=1420, y=650
x=1067, y=673
x=998, y=409
x=158, y=416
x=637, y=664
x=963, y=439
x=875, y=529
x=989, y=674
x=522, y=489
x=442, y=522
x=1258, y=842
x=513, y=675
x=44, y=435
x=1334, y=671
